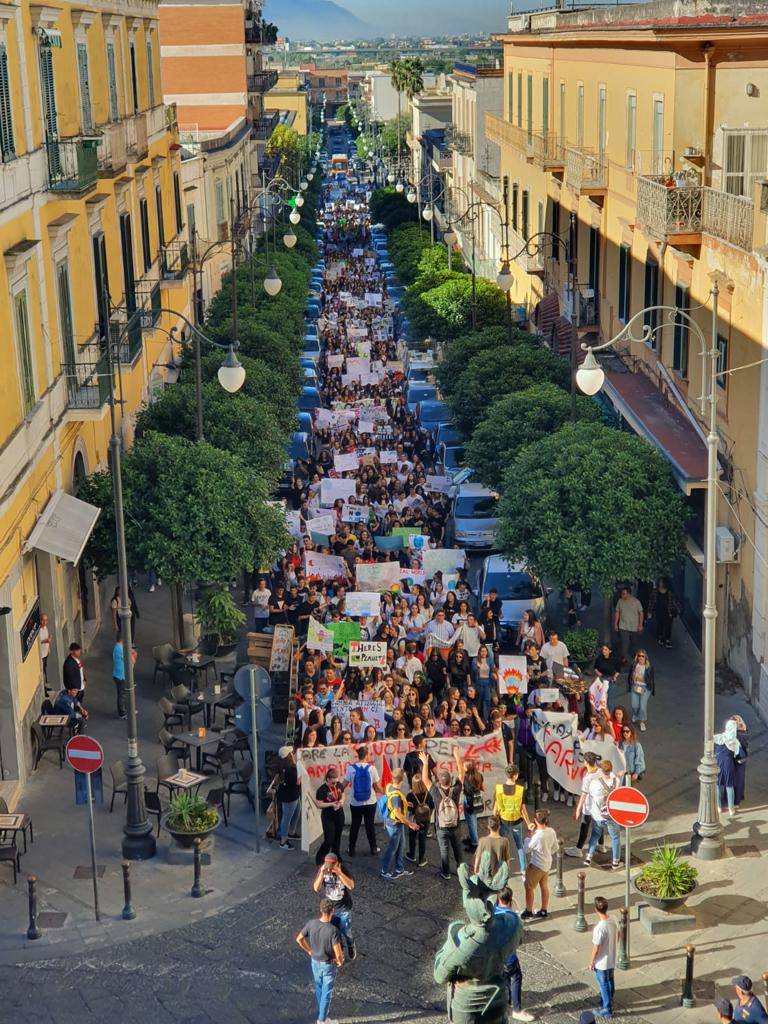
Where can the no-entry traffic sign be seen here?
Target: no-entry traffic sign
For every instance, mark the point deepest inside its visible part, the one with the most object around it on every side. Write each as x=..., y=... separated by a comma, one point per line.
x=628, y=807
x=84, y=754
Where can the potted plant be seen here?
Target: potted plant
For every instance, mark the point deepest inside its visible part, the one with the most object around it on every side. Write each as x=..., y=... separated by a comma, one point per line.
x=666, y=881
x=582, y=646
x=189, y=818
x=219, y=619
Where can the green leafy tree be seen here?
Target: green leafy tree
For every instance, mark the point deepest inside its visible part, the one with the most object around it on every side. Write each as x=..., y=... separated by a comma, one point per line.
x=594, y=505
x=459, y=351
x=390, y=208
x=407, y=77
x=285, y=144
x=272, y=389
x=445, y=311
x=101, y=551
x=520, y=419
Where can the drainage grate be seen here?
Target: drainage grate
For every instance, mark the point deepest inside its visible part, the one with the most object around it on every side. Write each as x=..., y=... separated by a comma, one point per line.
x=744, y=850
x=84, y=871
x=51, y=919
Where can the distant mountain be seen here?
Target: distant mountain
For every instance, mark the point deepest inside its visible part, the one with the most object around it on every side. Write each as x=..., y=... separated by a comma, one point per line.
x=315, y=19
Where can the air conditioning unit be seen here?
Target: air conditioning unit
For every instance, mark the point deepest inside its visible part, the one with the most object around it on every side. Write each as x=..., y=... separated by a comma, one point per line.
x=727, y=545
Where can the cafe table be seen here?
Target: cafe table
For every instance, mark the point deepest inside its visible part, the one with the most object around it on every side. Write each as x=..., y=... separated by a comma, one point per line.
x=17, y=822
x=198, y=663
x=199, y=743
x=185, y=779
x=210, y=699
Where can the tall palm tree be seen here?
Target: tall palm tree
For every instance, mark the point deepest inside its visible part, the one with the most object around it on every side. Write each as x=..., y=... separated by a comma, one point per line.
x=399, y=72
x=407, y=77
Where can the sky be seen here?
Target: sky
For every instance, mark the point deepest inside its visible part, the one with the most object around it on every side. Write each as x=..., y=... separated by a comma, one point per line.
x=432, y=17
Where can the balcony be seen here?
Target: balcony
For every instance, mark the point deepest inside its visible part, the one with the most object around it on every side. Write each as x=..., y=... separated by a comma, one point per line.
x=125, y=334
x=588, y=308
x=262, y=81
x=264, y=126
x=548, y=151
x=260, y=33
x=459, y=140
x=73, y=164
x=585, y=172
x=681, y=214
x=532, y=262
x=149, y=301
x=174, y=261
x=136, y=136
x=113, y=152
x=505, y=134
x=87, y=383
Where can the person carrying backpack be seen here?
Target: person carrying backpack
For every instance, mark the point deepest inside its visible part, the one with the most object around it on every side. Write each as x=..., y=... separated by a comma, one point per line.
x=446, y=795
x=420, y=808
x=365, y=785
x=392, y=807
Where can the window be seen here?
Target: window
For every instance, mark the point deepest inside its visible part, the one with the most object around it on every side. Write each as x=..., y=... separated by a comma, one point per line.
x=540, y=218
x=220, y=215
x=177, y=201
x=680, y=345
x=524, y=214
x=26, y=365
x=7, y=147
x=160, y=220
x=629, y=159
x=529, y=106
x=545, y=105
x=114, y=107
x=573, y=244
x=101, y=284
x=85, y=88
x=134, y=80
x=519, y=99
x=625, y=282
x=561, y=128
x=126, y=246
x=602, y=127
x=745, y=160
x=191, y=219
x=594, y=259
x=722, y=360
x=150, y=74
x=146, y=248
x=580, y=115
x=65, y=314
x=510, y=95
x=48, y=87
x=515, y=193
x=657, y=138
x=555, y=252
x=651, y=297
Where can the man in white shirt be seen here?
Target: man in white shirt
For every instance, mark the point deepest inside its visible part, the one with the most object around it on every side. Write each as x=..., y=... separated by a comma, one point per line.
x=541, y=849
x=472, y=634
x=440, y=629
x=601, y=785
x=554, y=650
x=603, y=960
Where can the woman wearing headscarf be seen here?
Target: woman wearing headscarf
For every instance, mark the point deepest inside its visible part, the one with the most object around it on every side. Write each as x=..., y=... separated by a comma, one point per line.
x=741, y=760
x=727, y=750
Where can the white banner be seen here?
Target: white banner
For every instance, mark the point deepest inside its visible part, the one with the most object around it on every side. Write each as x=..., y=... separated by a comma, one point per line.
x=325, y=525
x=513, y=673
x=374, y=712
x=366, y=427
x=557, y=737
x=368, y=653
x=444, y=560
x=362, y=602
x=379, y=576
x=413, y=577
x=440, y=484
x=318, y=637
x=345, y=463
x=324, y=567
x=335, y=361
x=487, y=751
x=386, y=458
x=331, y=489
x=355, y=514
x=293, y=522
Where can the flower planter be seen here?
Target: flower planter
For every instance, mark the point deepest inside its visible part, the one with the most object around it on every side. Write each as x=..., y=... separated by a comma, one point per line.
x=187, y=839
x=661, y=902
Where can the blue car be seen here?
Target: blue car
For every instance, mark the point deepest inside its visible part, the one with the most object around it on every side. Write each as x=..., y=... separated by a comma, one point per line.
x=309, y=399
x=417, y=393
x=432, y=414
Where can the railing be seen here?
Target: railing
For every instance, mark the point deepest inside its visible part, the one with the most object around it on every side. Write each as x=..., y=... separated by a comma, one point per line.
x=459, y=140
x=149, y=301
x=584, y=170
x=728, y=217
x=260, y=33
x=87, y=383
x=174, y=261
x=262, y=81
x=136, y=136
x=531, y=263
x=589, y=306
x=264, y=126
x=668, y=211
x=73, y=164
x=113, y=154
x=125, y=334
x=505, y=134
x=548, y=150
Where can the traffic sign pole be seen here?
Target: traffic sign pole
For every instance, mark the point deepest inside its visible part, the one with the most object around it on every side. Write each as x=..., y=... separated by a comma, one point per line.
x=627, y=807
x=86, y=755
x=93, y=846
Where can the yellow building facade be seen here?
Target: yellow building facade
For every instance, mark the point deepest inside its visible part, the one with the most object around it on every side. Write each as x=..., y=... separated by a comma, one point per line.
x=640, y=139
x=290, y=98
x=94, y=253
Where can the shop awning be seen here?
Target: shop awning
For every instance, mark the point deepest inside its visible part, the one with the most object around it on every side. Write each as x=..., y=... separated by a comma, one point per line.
x=64, y=527
x=50, y=37
x=645, y=409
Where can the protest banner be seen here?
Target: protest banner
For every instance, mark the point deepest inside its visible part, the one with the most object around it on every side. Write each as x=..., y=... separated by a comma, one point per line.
x=389, y=543
x=325, y=525
x=557, y=738
x=378, y=576
x=366, y=427
x=444, y=560
x=282, y=642
x=374, y=712
x=324, y=567
x=440, y=484
x=318, y=637
x=362, y=602
x=513, y=673
x=548, y=694
x=345, y=462
x=413, y=577
x=402, y=531
x=313, y=762
x=357, y=366
x=364, y=349
x=369, y=379
x=418, y=541
x=343, y=633
x=334, y=361
x=450, y=580
x=373, y=298
x=368, y=653
x=331, y=489
x=387, y=458
x=355, y=513
x=293, y=522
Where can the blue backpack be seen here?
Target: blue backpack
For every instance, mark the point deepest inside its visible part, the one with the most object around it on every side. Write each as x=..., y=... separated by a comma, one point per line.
x=361, y=783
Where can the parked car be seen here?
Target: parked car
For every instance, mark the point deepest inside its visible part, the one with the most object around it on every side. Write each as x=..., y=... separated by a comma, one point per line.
x=309, y=399
x=305, y=422
x=310, y=376
x=419, y=374
x=517, y=589
x=432, y=414
x=311, y=348
x=473, y=520
x=419, y=393
x=450, y=459
x=447, y=434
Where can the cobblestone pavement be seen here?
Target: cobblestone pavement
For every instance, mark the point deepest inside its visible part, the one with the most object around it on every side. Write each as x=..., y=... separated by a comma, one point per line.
x=243, y=965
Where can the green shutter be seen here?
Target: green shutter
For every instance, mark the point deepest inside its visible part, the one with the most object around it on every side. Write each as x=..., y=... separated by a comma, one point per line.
x=48, y=87
x=519, y=99
x=65, y=314
x=26, y=366
x=114, y=108
x=545, y=105
x=150, y=74
x=7, y=147
x=85, y=88
x=220, y=217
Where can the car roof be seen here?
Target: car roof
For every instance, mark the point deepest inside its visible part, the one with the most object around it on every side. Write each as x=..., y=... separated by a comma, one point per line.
x=476, y=491
x=498, y=563
x=433, y=403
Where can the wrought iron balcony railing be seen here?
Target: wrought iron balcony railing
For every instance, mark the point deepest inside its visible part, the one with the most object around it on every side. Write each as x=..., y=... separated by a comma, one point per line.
x=73, y=164
x=264, y=126
x=665, y=211
x=262, y=81
x=174, y=261
x=585, y=171
x=87, y=383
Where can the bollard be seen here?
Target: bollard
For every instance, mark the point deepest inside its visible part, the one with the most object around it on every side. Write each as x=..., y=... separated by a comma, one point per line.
x=580, y=924
x=128, y=912
x=687, y=999
x=33, y=932
x=622, y=957
x=536, y=795
x=197, y=888
x=559, y=884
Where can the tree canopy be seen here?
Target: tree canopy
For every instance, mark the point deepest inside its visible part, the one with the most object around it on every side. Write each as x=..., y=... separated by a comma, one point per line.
x=445, y=311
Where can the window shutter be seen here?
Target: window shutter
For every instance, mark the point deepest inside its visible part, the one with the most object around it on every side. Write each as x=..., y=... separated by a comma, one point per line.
x=220, y=218
x=25, y=353
x=85, y=89
x=177, y=202
x=150, y=74
x=49, y=93
x=65, y=314
x=160, y=222
x=114, y=107
x=6, y=116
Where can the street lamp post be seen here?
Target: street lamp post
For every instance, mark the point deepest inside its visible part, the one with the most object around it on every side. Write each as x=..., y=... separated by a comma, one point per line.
x=707, y=839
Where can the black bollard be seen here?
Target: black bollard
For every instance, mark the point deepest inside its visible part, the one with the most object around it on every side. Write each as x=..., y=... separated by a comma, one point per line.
x=559, y=884
x=536, y=795
x=580, y=924
x=128, y=912
x=622, y=956
x=197, y=887
x=687, y=999
x=33, y=932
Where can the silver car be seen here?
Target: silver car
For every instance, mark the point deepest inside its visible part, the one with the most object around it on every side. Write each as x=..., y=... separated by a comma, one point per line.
x=473, y=520
x=517, y=590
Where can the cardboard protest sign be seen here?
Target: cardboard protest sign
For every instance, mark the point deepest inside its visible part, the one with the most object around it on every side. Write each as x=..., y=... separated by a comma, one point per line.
x=389, y=543
x=440, y=484
x=418, y=541
x=343, y=633
x=293, y=522
x=373, y=298
x=445, y=560
x=513, y=673
x=366, y=427
x=355, y=513
x=345, y=463
x=386, y=458
x=318, y=637
x=324, y=567
x=357, y=366
x=331, y=489
x=335, y=362
x=324, y=525
x=413, y=577
x=374, y=712
x=362, y=602
x=368, y=653
x=379, y=576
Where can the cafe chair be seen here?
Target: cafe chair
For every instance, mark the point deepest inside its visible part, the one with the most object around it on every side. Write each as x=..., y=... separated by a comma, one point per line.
x=164, y=655
x=221, y=759
x=153, y=805
x=41, y=744
x=171, y=715
x=239, y=782
x=9, y=852
x=167, y=765
x=119, y=783
x=184, y=702
x=215, y=799
x=173, y=745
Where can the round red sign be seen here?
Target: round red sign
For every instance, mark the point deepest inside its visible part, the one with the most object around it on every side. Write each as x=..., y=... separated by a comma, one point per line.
x=628, y=807
x=84, y=754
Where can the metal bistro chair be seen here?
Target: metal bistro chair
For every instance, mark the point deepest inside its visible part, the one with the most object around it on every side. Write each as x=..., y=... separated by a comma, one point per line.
x=184, y=702
x=172, y=745
x=154, y=805
x=42, y=743
x=9, y=852
x=171, y=716
x=239, y=782
x=221, y=760
x=215, y=799
x=167, y=765
x=119, y=783
x=164, y=655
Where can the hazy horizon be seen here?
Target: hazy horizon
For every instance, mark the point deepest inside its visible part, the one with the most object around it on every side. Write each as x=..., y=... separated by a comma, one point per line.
x=420, y=18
